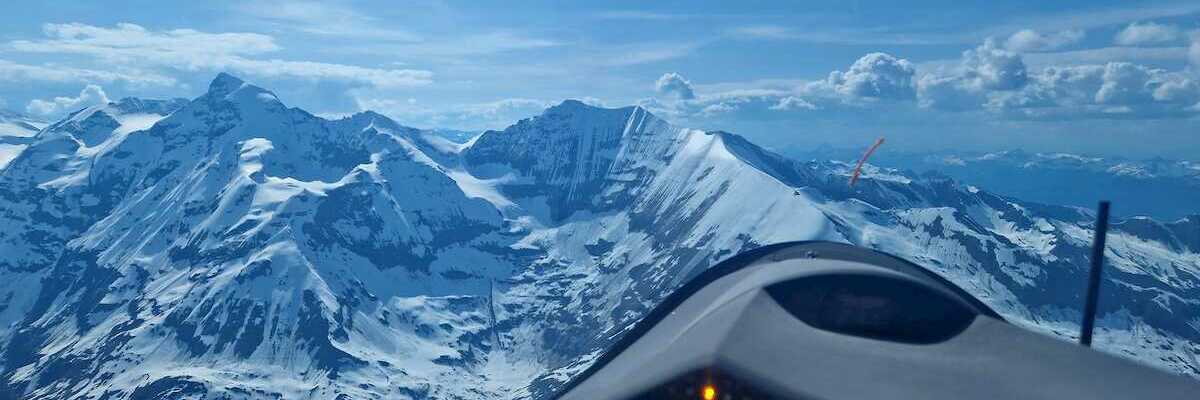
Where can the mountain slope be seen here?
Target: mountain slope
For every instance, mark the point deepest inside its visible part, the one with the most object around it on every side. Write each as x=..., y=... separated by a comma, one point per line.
x=231, y=242
x=235, y=247
x=621, y=232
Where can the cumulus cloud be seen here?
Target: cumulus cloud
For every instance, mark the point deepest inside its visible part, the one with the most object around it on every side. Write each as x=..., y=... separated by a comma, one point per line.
x=876, y=76
x=1124, y=83
x=1027, y=40
x=90, y=95
x=131, y=45
x=1147, y=33
x=673, y=84
x=1112, y=90
x=992, y=68
x=994, y=79
x=948, y=92
x=981, y=71
x=1178, y=89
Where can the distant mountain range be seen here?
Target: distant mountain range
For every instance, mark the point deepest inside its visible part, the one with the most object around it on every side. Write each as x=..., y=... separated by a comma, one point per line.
x=454, y=135
x=16, y=130
x=230, y=246
x=1158, y=187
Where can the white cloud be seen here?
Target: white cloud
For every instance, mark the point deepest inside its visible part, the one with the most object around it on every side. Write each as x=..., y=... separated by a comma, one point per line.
x=132, y=45
x=593, y=101
x=374, y=35
x=1137, y=34
x=1027, y=40
x=992, y=68
x=319, y=71
x=1124, y=83
x=754, y=101
x=980, y=72
x=503, y=106
x=90, y=95
x=987, y=78
x=997, y=80
x=948, y=92
x=1177, y=88
x=793, y=103
x=674, y=85
x=1113, y=90
x=16, y=72
x=876, y=75
x=325, y=19
x=496, y=114
x=765, y=32
x=717, y=108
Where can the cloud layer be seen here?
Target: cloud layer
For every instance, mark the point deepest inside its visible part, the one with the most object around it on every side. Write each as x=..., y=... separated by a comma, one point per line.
x=1027, y=40
x=134, y=46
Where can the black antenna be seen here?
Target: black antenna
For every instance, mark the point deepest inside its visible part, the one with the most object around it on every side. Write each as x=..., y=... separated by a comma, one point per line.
x=1093, y=293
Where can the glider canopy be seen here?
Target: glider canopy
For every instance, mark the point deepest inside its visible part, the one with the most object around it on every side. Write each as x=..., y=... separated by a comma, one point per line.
x=819, y=320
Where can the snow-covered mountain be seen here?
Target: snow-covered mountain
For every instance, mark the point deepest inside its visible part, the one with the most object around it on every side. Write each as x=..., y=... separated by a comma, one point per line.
x=453, y=135
x=233, y=247
x=1156, y=187
x=16, y=131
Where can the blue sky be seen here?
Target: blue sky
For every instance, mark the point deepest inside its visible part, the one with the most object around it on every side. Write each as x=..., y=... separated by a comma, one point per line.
x=1103, y=77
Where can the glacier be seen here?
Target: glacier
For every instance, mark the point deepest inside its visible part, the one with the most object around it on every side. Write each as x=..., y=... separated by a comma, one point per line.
x=230, y=246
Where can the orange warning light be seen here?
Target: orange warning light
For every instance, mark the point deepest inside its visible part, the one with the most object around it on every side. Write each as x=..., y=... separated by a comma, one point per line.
x=708, y=393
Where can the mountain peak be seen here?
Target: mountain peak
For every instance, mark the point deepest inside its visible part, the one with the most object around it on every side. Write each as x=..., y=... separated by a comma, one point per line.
x=575, y=109
x=572, y=103
x=570, y=106
x=225, y=84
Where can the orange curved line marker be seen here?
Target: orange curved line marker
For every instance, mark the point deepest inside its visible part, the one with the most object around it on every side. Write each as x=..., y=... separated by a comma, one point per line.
x=858, y=168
